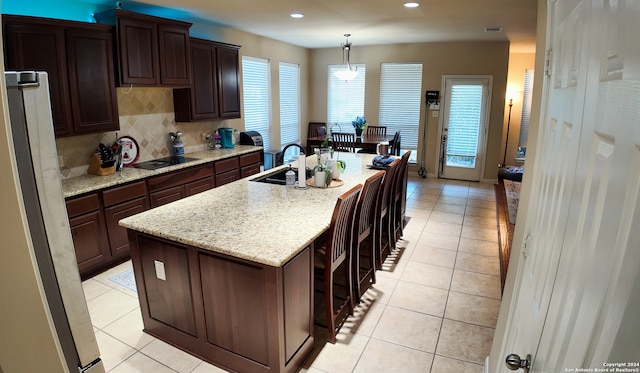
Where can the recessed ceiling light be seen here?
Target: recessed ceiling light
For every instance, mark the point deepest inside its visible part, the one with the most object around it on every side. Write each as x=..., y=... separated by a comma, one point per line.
x=411, y=5
x=297, y=15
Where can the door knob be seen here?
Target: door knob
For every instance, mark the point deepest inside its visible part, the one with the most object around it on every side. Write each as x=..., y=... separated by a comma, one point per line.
x=514, y=362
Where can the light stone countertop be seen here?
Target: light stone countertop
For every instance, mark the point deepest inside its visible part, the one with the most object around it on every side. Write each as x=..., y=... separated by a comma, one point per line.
x=89, y=183
x=260, y=222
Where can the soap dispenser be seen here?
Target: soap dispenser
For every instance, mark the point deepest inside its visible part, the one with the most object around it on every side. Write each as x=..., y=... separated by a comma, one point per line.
x=290, y=177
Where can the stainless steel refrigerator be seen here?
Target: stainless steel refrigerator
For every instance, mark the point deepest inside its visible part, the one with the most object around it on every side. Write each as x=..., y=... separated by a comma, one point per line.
x=39, y=173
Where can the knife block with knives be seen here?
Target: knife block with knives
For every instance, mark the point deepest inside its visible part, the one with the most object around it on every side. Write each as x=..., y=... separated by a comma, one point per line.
x=102, y=162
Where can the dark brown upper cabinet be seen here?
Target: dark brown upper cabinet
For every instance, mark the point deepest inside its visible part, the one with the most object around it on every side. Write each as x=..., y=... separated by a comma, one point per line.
x=214, y=91
x=152, y=51
x=78, y=58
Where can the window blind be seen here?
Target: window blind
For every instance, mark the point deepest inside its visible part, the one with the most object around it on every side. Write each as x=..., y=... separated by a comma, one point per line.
x=289, y=103
x=400, y=100
x=464, y=123
x=526, y=107
x=345, y=98
x=255, y=87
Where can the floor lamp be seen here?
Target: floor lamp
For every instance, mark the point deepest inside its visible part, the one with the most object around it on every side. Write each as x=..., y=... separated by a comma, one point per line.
x=506, y=143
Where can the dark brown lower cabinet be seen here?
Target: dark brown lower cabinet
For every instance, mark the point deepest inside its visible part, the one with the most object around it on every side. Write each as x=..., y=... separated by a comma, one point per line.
x=240, y=315
x=101, y=242
x=118, y=240
x=89, y=232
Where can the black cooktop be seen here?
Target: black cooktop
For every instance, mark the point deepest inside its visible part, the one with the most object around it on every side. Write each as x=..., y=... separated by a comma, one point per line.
x=155, y=164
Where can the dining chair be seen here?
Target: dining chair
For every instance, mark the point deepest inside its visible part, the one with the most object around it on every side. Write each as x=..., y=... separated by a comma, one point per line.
x=394, y=145
x=377, y=130
x=321, y=131
x=343, y=142
x=314, y=127
x=328, y=258
x=400, y=196
x=364, y=242
x=383, y=215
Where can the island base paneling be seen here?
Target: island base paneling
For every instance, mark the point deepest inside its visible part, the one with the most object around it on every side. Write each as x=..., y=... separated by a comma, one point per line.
x=234, y=313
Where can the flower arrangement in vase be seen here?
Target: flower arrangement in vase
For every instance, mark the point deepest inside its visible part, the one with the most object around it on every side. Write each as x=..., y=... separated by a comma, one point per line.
x=359, y=123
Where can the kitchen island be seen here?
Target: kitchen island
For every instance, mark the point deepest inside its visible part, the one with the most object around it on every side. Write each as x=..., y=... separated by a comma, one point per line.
x=227, y=274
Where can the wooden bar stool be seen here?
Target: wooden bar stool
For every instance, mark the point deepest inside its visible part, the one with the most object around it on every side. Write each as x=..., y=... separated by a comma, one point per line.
x=364, y=242
x=400, y=196
x=336, y=251
x=383, y=215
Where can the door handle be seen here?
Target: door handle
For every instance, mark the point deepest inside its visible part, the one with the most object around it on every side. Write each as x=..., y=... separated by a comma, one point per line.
x=514, y=362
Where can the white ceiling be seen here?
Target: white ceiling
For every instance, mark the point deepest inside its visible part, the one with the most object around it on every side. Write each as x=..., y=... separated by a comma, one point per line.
x=370, y=22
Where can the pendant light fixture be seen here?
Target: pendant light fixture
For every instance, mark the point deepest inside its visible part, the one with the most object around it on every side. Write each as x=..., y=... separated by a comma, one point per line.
x=346, y=71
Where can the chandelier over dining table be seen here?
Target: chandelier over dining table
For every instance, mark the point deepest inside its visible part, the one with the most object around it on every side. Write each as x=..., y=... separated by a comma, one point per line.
x=346, y=71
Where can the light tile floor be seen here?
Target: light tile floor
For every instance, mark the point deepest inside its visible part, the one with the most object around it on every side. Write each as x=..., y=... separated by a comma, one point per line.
x=432, y=310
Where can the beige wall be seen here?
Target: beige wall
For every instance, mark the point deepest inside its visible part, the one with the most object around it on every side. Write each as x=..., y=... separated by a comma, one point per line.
x=469, y=58
x=518, y=63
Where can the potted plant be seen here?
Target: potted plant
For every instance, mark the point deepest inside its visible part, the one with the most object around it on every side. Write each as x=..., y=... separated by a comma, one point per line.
x=321, y=176
x=359, y=124
x=322, y=171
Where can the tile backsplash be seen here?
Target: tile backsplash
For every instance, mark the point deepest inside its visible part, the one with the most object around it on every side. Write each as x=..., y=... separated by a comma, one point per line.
x=146, y=114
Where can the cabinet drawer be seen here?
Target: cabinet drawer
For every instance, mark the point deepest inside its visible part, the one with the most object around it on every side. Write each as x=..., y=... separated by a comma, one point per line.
x=250, y=170
x=247, y=159
x=167, y=195
x=124, y=193
x=83, y=205
x=196, y=187
x=226, y=165
x=180, y=177
x=227, y=177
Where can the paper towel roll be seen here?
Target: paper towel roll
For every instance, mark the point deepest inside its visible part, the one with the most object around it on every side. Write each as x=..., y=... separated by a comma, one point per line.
x=302, y=171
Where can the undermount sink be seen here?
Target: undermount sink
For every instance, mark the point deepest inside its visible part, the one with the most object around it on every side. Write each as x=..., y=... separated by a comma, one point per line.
x=279, y=177
x=155, y=164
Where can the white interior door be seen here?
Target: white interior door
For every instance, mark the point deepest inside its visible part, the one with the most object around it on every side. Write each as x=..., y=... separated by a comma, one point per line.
x=464, y=127
x=581, y=253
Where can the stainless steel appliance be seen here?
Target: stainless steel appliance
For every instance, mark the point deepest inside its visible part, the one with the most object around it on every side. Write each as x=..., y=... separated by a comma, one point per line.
x=255, y=138
x=251, y=138
x=39, y=173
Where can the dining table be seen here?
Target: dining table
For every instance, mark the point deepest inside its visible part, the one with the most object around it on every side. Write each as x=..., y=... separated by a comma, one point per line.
x=366, y=142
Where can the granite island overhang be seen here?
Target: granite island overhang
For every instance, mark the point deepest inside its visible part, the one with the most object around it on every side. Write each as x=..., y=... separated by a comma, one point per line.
x=227, y=274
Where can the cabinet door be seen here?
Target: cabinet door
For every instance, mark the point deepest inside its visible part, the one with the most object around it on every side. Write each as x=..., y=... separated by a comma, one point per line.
x=174, y=55
x=90, y=241
x=228, y=82
x=167, y=195
x=138, y=46
x=91, y=81
x=118, y=240
x=200, y=102
x=42, y=48
x=234, y=298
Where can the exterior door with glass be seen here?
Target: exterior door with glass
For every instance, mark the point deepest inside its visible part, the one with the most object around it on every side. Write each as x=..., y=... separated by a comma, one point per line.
x=464, y=126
